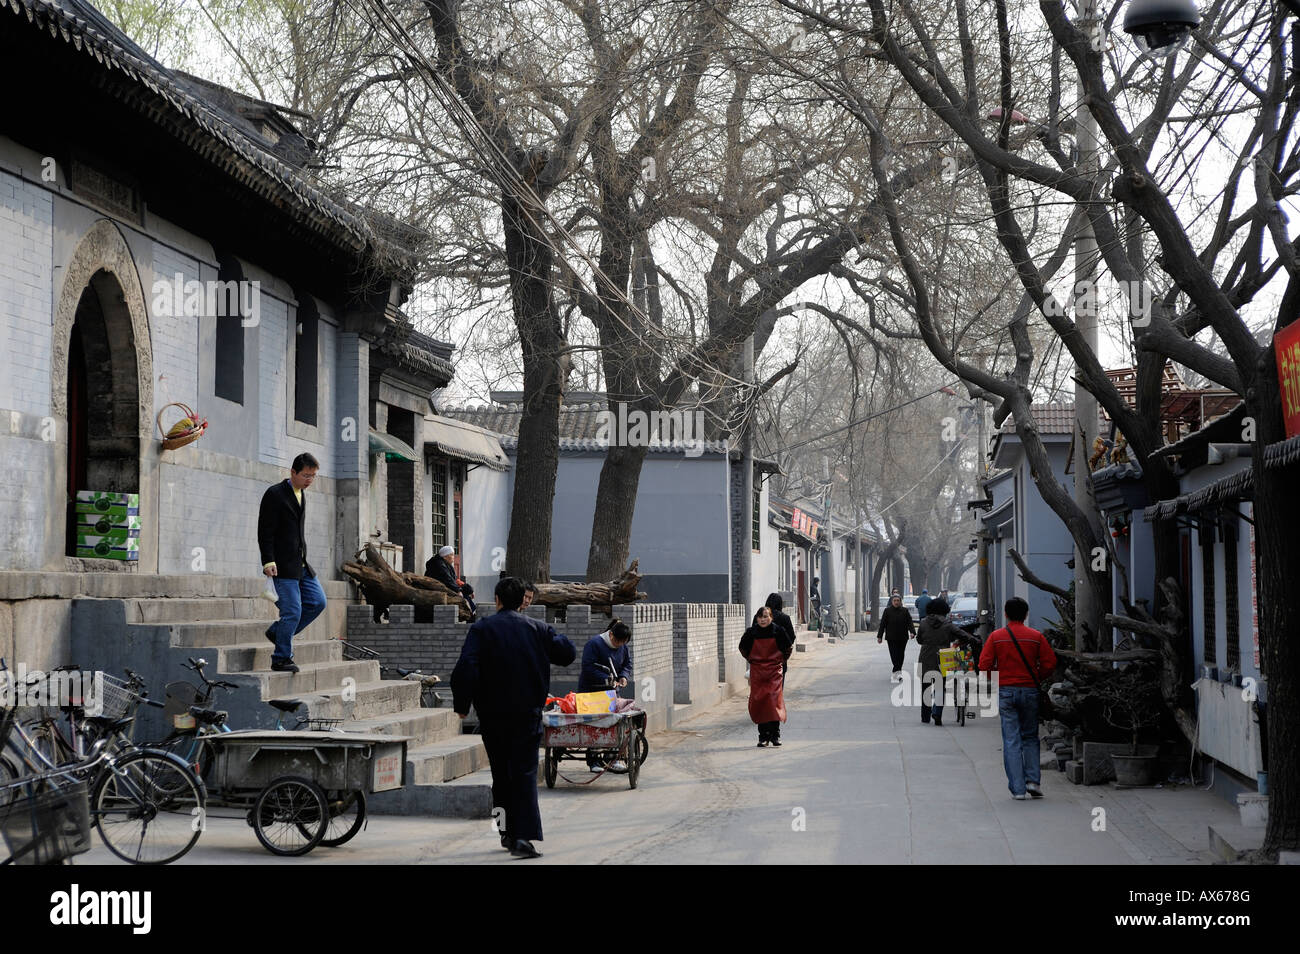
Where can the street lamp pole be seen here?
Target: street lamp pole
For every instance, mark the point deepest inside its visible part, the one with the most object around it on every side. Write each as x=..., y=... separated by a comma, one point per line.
x=1085, y=318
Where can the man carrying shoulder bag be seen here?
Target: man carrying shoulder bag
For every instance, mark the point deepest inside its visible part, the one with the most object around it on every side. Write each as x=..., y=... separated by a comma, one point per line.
x=1023, y=658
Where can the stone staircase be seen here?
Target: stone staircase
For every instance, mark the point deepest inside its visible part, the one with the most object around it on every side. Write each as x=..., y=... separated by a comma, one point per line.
x=446, y=771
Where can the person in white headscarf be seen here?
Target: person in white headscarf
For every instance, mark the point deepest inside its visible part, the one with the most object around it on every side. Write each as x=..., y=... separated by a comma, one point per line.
x=441, y=569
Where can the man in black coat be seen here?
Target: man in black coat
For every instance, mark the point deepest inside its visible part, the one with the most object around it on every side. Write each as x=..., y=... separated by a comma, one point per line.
x=504, y=671
x=282, y=540
x=782, y=621
x=896, y=626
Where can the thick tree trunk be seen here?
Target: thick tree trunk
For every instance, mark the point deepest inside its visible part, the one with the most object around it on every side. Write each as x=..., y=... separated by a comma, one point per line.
x=1277, y=562
x=528, y=549
x=600, y=595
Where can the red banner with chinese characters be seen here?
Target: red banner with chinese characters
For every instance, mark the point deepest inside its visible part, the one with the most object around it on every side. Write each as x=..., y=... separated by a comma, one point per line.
x=1286, y=343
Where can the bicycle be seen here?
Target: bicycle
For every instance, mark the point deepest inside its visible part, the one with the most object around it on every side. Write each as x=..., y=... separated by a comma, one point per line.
x=430, y=698
x=142, y=801
x=839, y=627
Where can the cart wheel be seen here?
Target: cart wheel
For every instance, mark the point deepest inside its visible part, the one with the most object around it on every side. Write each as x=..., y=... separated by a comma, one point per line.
x=642, y=748
x=290, y=816
x=347, y=815
x=552, y=766
x=633, y=767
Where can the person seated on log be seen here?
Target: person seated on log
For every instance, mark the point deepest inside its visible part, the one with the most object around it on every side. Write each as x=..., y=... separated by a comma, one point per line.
x=606, y=664
x=440, y=568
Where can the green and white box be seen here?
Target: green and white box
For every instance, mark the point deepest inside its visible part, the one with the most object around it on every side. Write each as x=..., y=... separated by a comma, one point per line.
x=103, y=501
x=109, y=547
x=101, y=524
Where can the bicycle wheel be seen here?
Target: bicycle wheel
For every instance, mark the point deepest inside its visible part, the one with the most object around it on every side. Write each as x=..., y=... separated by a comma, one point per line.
x=552, y=766
x=8, y=773
x=148, y=807
x=193, y=750
x=841, y=627
x=290, y=816
x=347, y=813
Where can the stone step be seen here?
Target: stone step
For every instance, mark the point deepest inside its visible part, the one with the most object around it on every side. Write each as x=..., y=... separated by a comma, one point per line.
x=314, y=678
x=444, y=761
x=387, y=697
x=248, y=657
x=467, y=797
x=198, y=610
x=422, y=725
x=229, y=632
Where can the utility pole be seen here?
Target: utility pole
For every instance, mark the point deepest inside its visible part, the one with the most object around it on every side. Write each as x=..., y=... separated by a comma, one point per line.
x=828, y=577
x=1085, y=318
x=744, y=538
x=983, y=583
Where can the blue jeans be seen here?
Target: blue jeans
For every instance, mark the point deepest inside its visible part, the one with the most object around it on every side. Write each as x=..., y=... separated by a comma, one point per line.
x=1018, y=707
x=301, y=601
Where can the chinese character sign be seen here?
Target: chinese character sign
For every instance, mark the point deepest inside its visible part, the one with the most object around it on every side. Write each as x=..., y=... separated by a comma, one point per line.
x=1286, y=344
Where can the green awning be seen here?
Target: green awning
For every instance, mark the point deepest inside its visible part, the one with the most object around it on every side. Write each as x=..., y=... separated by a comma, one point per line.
x=391, y=447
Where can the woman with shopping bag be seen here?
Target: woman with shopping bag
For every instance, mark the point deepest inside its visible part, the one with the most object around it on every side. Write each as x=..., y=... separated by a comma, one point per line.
x=766, y=648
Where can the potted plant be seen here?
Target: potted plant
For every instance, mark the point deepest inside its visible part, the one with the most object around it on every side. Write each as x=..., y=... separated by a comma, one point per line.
x=1131, y=702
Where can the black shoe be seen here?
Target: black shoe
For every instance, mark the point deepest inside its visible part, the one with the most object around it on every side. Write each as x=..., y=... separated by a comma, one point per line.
x=524, y=849
x=283, y=665
x=776, y=741
x=938, y=721
x=762, y=742
x=506, y=841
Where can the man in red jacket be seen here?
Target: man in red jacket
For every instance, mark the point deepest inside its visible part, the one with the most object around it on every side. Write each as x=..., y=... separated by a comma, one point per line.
x=1023, y=659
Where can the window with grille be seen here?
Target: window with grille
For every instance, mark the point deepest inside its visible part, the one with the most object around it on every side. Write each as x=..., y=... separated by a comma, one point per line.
x=306, y=361
x=1232, y=628
x=438, y=503
x=1206, y=535
x=228, y=378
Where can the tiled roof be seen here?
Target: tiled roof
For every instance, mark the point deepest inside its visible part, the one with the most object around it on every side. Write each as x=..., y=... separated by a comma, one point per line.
x=1056, y=419
x=580, y=426
x=1224, y=490
x=181, y=108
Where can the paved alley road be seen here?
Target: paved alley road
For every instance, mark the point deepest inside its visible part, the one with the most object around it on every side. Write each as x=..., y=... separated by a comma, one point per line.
x=857, y=780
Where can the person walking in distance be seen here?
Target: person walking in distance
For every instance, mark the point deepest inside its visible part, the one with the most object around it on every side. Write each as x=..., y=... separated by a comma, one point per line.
x=933, y=634
x=922, y=602
x=504, y=672
x=897, y=627
x=766, y=648
x=282, y=540
x=1024, y=659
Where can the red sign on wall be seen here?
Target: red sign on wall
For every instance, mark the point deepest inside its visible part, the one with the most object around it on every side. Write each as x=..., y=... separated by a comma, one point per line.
x=1286, y=344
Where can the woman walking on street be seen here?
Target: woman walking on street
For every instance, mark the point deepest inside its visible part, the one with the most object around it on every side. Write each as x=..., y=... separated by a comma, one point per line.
x=896, y=626
x=935, y=633
x=766, y=647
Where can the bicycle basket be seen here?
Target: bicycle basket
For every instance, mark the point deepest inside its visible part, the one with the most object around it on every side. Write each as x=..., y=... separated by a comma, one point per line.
x=116, y=700
x=179, y=696
x=48, y=826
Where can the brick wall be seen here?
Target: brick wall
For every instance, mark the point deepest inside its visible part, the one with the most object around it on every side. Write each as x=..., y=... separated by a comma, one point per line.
x=731, y=627
x=174, y=338
x=26, y=294
x=695, y=650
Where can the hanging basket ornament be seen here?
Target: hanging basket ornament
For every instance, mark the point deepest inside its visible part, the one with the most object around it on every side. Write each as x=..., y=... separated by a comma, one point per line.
x=185, y=431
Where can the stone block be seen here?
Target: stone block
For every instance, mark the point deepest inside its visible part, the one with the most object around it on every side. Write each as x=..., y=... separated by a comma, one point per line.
x=1253, y=809
x=1074, y=771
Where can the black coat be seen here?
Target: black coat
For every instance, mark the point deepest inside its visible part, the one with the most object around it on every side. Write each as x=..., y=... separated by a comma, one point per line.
x=784, y=642
x=441, y=570
x=505, y=666
x=896, y=623
x=936, y=633
x=783, y=620
x=282, y=532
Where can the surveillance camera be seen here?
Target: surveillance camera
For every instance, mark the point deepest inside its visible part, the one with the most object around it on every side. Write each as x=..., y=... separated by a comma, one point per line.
x=1161, y=27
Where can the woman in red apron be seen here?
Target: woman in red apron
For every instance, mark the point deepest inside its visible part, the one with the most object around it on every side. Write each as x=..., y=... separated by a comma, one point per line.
x=766, y=647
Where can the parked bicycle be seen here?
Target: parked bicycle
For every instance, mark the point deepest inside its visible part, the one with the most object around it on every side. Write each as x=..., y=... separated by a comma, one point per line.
x=142, y=801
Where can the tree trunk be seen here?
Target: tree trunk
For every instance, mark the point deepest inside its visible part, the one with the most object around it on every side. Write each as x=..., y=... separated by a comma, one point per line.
x=528, y=549
x=600, y=595
x=1277, y=562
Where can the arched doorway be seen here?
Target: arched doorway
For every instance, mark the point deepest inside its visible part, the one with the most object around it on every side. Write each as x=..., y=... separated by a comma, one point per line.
x=103, y=398
x=101, y=384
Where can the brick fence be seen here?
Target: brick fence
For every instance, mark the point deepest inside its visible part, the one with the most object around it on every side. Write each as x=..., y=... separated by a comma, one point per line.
x=680, y=652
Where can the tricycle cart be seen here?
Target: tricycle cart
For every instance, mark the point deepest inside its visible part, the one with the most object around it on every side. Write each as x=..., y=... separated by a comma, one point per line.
x=613, y=735
x=303, y=789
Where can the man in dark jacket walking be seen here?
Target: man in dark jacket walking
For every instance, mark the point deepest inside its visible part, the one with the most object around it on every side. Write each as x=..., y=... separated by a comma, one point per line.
x=504, y=671
x=896, y=626
x=282, y=540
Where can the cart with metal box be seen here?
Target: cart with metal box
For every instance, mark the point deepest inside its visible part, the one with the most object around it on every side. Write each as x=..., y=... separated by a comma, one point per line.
x=303, y=789
x=614, y=736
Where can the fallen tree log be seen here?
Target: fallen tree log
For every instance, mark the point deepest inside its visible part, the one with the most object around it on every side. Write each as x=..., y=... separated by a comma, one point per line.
x=382, y=587
x=597, y=595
